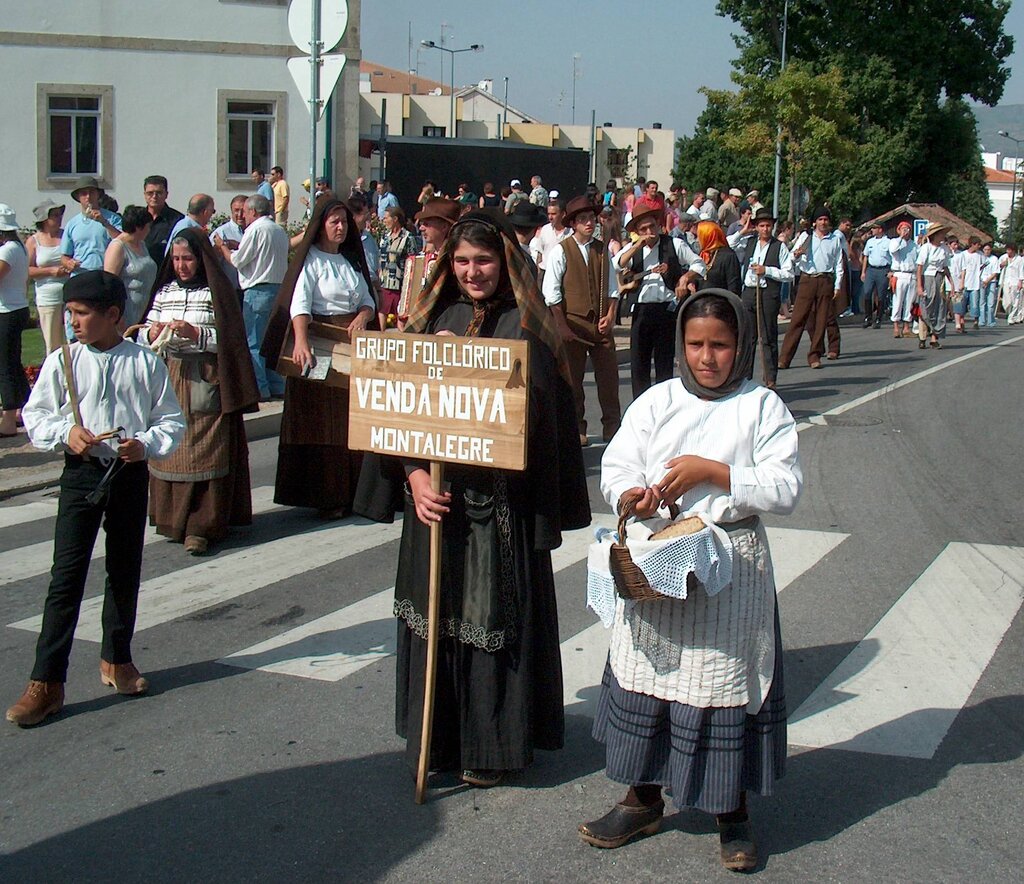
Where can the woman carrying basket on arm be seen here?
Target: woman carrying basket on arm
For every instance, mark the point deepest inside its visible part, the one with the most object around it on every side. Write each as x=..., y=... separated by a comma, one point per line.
x=692, y=697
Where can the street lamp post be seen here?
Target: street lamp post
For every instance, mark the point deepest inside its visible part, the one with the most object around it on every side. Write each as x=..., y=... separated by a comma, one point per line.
x=778, y=138
x=475, y=47
x=1013, y=190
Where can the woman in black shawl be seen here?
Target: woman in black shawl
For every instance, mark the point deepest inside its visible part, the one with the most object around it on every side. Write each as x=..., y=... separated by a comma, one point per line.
x=327, y=281
x=499, y=685
x=194, y=321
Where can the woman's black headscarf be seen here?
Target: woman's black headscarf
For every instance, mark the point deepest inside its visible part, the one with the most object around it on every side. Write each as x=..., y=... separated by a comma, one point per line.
x=351, y=249
x=742, y=365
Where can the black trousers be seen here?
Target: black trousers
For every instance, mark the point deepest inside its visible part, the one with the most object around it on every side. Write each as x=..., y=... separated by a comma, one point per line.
x=122, y=511
x=652, y=338
x=875, y=295
x=768, y=332
x=14, y=387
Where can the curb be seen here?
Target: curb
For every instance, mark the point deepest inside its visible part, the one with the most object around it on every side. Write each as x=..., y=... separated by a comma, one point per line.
x=264, y=424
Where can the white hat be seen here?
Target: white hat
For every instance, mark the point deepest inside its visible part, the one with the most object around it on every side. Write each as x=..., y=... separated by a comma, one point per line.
x=7, y=219
x=753, y=193
x=735, y=191
x=515, y=183
x=711, y=193
x=553, y=195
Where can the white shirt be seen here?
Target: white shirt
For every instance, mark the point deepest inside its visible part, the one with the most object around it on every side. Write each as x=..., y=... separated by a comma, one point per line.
x=194, y=306
x=13, y=285
x=782, y=273
x=904, y=254
x=551, y=286
x=823, y=255
x=739, y=242
x=971, y=268
x=935, y=259
x=751, y=430
x=125, y=386
x=652, y=288
x=329, y=285
x=955, y=264
x=547, y=239
x=262, y=255
x=1013, y=272
x=989, y=267
x=708, y=211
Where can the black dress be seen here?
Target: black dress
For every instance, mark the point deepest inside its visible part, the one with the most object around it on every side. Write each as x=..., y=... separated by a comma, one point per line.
x=724, y=272
x=499, y=679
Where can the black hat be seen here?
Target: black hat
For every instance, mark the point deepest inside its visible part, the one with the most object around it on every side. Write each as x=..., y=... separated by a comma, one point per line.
x=821, y=212
x=96, y=287
x=526, y=216
x=763, y=214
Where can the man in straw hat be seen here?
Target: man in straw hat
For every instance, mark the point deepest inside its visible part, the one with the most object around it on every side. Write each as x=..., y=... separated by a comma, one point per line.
x=580, y=288
x=666, y=266
x=87, y=236
x=819, y=253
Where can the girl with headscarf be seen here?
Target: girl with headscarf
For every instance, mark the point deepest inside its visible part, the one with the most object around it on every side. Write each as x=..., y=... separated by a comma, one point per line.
x=193, y=319
x=499, y=685
x=722, y=263
x=328, y=282
x=692, y=698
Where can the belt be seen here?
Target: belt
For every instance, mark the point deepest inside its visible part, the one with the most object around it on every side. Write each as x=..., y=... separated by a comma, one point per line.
x=903, y=271
x=878, y=266
x=816, y=275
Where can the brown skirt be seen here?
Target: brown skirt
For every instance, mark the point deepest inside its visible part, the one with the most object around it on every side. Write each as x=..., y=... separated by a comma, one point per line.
x=314, y=465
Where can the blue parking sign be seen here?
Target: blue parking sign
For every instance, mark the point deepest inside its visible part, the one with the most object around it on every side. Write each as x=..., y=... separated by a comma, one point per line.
x=920, y=226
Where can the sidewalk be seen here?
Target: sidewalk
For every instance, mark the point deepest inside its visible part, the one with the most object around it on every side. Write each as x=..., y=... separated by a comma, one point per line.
x=24, y=469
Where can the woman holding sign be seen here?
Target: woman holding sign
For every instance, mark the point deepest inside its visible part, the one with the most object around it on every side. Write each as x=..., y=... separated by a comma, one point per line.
x=498, y=685
x=327, y=281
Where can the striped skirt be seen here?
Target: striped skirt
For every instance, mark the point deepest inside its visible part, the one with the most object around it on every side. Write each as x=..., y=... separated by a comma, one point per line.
x=703, y=758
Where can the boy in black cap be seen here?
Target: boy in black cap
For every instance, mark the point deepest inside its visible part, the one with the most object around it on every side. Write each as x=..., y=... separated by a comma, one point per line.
x=109, y=405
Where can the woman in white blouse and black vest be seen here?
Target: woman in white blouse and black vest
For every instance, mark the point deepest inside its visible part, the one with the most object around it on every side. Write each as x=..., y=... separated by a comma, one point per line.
x=327, y=281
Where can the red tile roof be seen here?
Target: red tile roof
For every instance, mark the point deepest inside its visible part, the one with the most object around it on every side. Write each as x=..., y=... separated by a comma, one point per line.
x=997, y=176
x=385, y=79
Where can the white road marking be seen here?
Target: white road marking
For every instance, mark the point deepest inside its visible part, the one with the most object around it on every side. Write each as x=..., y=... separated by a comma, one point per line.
x=900, y=689
x=37, y=558
x=343, y=642
x=794, y=551
x=28, y=512
x=220, y=580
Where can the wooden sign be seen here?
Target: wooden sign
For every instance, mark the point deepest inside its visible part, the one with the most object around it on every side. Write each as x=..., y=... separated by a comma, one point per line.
x=440, y=398
x=328, y=342
x=412, y=282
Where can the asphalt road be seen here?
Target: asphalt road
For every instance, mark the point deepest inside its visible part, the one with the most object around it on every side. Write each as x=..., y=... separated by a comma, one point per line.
x=901, y=575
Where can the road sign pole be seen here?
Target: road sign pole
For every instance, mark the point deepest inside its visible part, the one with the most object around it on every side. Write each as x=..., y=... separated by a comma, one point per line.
x=314, y=92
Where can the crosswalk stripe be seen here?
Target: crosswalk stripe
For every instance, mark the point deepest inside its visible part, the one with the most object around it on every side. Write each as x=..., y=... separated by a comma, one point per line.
x=220, y=580
x=343, y=642
x=794, y=551
x=37, y=558
x=27, y=512
x=899, y=691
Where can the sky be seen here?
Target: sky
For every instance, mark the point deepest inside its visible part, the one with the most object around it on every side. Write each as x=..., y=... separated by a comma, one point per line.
x=679, y=46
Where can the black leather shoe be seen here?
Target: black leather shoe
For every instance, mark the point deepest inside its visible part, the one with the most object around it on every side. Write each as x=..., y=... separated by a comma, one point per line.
x=622, y=824
x=738, y=851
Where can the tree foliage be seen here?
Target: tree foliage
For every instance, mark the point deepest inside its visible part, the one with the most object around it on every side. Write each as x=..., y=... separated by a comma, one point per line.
x=895, y=78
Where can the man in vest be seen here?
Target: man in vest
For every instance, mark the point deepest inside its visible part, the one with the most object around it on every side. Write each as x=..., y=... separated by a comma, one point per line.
x=579, y=287
x=768, y=264
x=665, y=267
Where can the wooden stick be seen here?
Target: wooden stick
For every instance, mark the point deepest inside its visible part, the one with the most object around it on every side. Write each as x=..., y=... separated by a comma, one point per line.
x=433, y=615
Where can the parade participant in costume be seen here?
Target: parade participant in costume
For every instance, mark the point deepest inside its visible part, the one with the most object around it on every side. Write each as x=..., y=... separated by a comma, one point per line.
x=579, y=285
x=768, y=266
x=933, y=262
x=723, y=267
x=696, y=704
x=666, y=267
x=499, y=686
x=434, y=221
x=194, y=320
x=327, y=281
x=396, y=246
x=820, y=259
x=1011, y=281
x=107, y=381
x=527, y=220
x=903, y=251
x=875, y=264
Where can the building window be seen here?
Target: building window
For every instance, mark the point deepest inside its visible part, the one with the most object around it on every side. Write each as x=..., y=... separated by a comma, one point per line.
x=74, y=132
x=74, y=126
x=252, y=131
x=434, y=131
x=618, y=162
x=250, y=136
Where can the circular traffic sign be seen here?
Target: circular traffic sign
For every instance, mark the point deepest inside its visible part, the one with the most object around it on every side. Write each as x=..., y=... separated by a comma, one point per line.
x=333, y=21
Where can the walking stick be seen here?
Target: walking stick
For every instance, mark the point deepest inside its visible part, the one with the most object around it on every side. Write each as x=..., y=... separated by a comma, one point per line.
x=433, y=614
x=762, y=332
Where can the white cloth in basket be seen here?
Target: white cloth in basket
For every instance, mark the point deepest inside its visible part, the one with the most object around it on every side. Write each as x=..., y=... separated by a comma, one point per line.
x=707, y=555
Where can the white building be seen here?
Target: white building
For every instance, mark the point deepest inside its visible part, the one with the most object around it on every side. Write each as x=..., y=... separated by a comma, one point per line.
x=999, y=180
x=195, y=90
x=617, y=152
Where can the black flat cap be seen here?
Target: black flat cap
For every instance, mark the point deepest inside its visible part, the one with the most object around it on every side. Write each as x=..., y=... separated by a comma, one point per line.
x=95, y=287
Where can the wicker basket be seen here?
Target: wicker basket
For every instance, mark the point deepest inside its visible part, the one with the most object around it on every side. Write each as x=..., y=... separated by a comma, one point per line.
x=630, y=582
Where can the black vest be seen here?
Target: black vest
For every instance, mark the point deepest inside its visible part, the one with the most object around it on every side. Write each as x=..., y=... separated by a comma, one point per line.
x=771, y=259
x=666, y=255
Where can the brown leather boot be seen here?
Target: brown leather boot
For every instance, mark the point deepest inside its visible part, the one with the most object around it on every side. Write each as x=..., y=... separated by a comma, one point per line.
x=123, y=676
x=41, y=699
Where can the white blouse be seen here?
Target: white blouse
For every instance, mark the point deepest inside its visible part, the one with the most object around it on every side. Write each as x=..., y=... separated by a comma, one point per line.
x=329, y=285
x=751, y=430
x=934, y=259
x=195, y=306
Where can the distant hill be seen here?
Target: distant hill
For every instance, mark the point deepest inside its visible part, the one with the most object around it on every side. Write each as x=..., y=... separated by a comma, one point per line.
x=1008, y=117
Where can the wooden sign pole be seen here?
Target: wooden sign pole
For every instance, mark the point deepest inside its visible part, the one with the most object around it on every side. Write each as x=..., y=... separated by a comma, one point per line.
x=433, y=615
